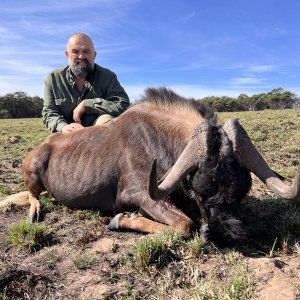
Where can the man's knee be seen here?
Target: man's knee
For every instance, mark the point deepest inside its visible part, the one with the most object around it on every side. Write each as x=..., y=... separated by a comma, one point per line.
x=102, y=119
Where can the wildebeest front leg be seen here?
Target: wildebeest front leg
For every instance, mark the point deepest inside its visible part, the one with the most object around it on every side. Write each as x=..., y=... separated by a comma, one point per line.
x=167, y=213
x=136, y=222
x=35, y=208
x=165, y=216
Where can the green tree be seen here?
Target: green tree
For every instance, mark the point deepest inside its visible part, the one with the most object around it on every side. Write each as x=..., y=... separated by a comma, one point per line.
x=280, y=99
x=20, y=105
x=243, y=102
x=276, y=99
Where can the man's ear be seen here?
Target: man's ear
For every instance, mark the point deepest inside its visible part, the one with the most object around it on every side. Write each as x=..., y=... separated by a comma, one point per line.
x=95, y=54
x=67, y=54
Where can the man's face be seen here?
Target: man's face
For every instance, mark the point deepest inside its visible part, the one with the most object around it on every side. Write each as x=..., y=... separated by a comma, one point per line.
x=81, y=55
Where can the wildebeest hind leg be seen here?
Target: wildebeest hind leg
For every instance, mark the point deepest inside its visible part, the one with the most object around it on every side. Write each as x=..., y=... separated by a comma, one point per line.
x=35, y=208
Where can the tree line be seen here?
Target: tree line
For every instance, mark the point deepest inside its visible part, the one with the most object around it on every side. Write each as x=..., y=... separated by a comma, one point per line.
x=21, y=105
x=276, y=99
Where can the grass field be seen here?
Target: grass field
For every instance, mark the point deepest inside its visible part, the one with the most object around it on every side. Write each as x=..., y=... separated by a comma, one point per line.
x=71, y=255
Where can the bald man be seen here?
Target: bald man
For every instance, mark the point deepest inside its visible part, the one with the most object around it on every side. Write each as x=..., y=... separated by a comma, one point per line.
x=82, y=93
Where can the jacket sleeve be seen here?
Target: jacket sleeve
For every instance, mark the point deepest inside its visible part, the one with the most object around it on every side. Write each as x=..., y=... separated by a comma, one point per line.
x=52, y=118
x=115, y=103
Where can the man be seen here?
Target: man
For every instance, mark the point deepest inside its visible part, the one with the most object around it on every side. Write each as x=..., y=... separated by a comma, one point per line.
x=82, y=93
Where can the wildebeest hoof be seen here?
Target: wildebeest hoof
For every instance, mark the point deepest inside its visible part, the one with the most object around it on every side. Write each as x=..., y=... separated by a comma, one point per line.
x=114, y=223
x=34, y=216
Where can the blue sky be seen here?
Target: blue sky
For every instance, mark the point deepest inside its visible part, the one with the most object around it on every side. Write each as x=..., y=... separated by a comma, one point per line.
x=196, y=47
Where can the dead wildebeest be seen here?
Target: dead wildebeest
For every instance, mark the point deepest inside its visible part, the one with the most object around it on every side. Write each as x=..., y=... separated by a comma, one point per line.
x=204, y=169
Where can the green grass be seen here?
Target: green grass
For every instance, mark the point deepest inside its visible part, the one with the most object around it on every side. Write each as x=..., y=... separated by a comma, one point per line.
x=111, y=278
x=48, y=204
x=227, y=280
x=27, y=236
x=31, y=133
x=50, y=259
x=153, y=252
x=84, y=261
x=17, y=138
x=239, y=286
x=196, y=245
x=276, y=134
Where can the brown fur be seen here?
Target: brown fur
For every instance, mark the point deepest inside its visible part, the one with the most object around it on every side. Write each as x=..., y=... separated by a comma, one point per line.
x=106, y=167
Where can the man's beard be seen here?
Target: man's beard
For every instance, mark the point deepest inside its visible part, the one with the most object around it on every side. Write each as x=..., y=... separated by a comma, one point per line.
x=81, y=68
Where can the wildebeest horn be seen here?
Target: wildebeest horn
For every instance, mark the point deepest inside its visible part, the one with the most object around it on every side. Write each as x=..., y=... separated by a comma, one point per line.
x=249, y=158
x=195, y=152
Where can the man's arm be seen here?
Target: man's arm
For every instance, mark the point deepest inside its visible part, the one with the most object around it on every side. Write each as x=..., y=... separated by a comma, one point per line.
x=52, y=118
x=115, y=103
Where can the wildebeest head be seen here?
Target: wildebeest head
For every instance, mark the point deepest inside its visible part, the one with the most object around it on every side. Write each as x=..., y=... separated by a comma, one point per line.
x=219, y=160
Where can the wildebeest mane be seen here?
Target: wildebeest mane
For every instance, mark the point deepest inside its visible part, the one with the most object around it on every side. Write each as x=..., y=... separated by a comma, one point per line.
x=166, y=97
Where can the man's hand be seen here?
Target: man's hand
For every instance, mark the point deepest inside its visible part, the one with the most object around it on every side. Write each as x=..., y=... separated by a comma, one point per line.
x=71, y=127
x=78, y=112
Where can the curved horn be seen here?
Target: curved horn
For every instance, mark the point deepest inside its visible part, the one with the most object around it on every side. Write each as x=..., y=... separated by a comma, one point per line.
x=195, y=152
x=250, y=159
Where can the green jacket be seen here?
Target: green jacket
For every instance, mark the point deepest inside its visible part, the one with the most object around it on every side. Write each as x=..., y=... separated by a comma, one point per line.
x=102, y=94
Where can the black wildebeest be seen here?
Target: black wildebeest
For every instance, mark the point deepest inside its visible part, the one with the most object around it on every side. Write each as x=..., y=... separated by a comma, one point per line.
x=204, y=168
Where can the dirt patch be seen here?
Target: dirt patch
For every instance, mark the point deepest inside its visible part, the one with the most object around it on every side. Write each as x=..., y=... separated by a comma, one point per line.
x=13, y=139
x=15, y=284
x=276, y=278
x=10, y=175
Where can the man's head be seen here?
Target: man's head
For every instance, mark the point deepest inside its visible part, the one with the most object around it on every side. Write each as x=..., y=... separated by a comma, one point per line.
x=81, y=54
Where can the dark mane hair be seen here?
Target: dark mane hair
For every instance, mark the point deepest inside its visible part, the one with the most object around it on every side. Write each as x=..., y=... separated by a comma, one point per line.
x=165, y=96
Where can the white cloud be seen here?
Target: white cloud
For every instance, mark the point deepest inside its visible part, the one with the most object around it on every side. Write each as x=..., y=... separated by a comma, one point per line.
x=247, y=80
x=23, y=68
x=262, y=68
x=6, y=33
